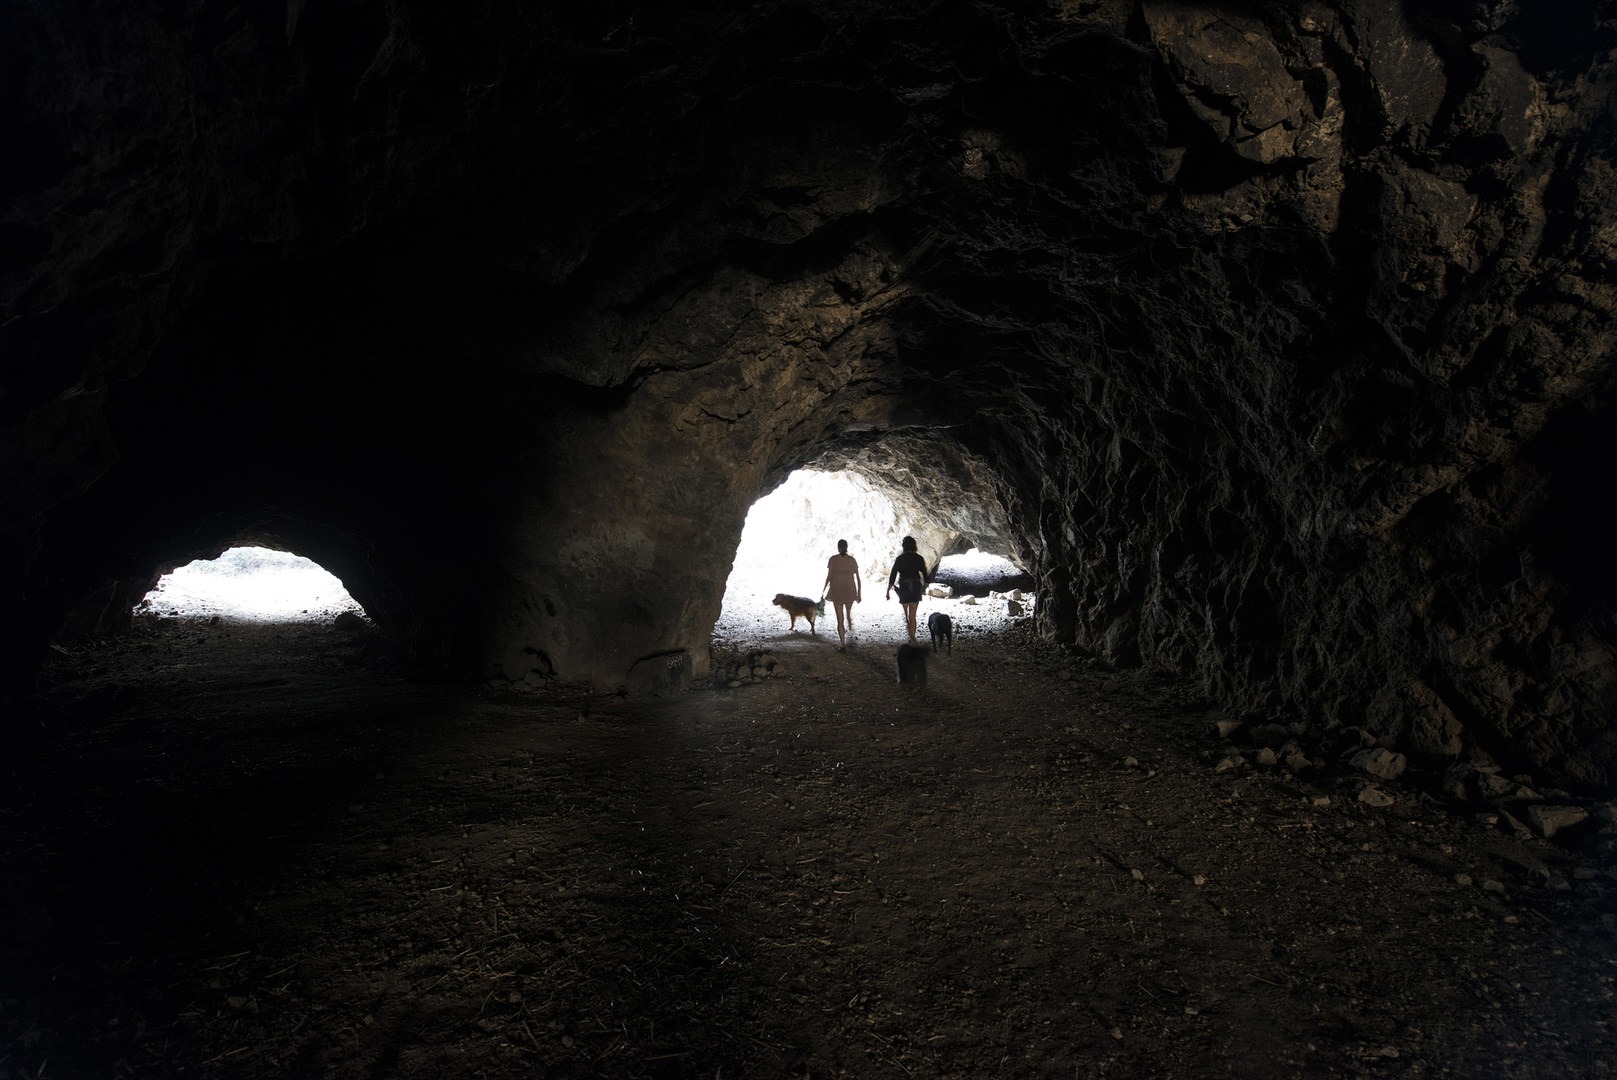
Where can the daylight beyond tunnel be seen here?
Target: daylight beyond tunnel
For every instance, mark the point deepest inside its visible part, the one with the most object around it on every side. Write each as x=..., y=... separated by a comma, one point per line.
x=250, y=584
x=792, y=532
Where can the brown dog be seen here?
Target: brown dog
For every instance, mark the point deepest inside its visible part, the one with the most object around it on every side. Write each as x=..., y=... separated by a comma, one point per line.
x=799, y=606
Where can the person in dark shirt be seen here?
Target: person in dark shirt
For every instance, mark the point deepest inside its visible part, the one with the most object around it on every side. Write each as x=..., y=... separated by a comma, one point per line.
x=909, y=578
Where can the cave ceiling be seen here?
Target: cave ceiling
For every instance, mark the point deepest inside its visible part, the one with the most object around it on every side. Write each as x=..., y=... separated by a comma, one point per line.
x=1275, y=339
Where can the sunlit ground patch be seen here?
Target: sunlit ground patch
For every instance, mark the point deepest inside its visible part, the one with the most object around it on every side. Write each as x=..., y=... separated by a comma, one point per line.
x=252, y=584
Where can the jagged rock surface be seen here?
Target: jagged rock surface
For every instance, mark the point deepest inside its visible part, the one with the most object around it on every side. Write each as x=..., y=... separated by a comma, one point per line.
x=1277, y=344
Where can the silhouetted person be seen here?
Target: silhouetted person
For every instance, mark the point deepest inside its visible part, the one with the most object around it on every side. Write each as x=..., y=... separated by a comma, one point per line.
x=843, y=589
x=909, y=577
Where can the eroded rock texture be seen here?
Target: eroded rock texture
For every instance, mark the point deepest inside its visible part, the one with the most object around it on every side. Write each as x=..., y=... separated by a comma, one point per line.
x=1277, y=339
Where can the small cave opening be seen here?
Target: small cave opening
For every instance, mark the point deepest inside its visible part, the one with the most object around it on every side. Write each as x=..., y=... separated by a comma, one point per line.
x=250, y=584
x=791, y=533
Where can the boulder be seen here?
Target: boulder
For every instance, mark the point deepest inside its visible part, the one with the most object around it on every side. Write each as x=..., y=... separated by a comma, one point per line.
x=1273, y=736
x=660, y=675
x=1549, y=820
x=1380, y=762
x=1371, y=795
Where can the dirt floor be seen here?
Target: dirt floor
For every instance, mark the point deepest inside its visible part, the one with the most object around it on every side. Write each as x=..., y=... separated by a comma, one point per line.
x=246, y=850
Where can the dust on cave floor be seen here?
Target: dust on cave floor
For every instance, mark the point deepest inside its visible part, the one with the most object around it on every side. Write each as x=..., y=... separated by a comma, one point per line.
x=248, y=850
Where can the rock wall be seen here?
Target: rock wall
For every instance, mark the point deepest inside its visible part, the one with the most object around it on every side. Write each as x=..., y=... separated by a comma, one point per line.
x=1277, y=339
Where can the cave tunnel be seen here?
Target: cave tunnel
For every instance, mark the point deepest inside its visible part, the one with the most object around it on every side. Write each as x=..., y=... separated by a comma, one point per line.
x=1274, y=342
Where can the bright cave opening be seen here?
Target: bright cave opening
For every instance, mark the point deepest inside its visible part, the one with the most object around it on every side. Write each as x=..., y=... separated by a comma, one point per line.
x=792, y=532
x=251, y=584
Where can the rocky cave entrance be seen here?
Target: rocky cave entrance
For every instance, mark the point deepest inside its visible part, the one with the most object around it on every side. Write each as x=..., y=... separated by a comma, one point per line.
x=250, y=584
x=791, y=531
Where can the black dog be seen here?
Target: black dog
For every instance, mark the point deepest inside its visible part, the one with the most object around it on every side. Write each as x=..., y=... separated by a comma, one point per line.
x=912, y=666
x=941, y=629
